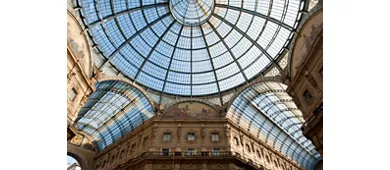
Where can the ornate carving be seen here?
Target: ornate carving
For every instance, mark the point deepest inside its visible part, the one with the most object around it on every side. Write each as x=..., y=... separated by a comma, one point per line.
x=190, y=110
x=241, y=139
x=97, y=73
x=310, y=78
x=228, y=131
x=191, y=166
x=84, y=99
x=217, y=166
x=163, y=166
x=179, y=131
x=154, y=132
x=202, y=132
x=77, y=140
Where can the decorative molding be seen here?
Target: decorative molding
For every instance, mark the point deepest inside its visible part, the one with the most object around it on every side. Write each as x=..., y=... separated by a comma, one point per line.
x=218, y=166
x=162, y=136
x=173, y=102
x=257, y=81
x=305, y=19
x=163, y=167
x=191, y=166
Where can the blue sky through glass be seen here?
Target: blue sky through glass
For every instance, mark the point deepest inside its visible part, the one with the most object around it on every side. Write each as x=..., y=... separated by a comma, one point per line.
x=70, y=160
x=150, y=44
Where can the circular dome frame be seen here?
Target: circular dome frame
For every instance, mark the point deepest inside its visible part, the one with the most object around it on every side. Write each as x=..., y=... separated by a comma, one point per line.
x=105, y=29
x=171, y=8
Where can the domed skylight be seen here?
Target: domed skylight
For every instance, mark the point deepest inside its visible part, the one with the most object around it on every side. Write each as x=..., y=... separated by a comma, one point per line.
x=191, y=47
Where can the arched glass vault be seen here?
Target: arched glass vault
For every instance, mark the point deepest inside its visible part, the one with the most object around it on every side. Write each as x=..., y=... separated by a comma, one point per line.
x=114, y=109
x=269, y=113
x=191, y=48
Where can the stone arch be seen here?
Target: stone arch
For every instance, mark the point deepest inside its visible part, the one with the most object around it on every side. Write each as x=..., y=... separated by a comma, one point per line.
x=310, y=31
x=206, y=102
x=77, y=39
x=85, y=164
x=191, y=109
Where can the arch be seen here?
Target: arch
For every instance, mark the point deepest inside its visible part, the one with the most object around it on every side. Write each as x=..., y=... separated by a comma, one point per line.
x=80, y=158
x=85, y=40
x=309, y=32
x=131, y=83
x=268, y=112
x=112, y=110
x=191, y=109
x=252, y=83
x=218, y=108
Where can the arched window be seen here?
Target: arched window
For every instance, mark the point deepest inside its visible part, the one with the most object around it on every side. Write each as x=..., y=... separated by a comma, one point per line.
x=236, y=141
x=104, y=164
x=145, y=141
x=122, y=154
x=258, y=153
x=248, y=148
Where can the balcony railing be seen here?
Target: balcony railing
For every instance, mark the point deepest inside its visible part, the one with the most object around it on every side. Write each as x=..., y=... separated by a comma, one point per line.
x=198, y=155
x=189, y=154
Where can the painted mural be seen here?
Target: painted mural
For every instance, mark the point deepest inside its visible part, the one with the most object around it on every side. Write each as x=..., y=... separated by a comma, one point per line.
x=303, y=45
x=77, y=42
x=191, y=110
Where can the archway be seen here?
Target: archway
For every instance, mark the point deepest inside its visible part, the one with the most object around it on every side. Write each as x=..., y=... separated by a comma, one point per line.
x=72, y=162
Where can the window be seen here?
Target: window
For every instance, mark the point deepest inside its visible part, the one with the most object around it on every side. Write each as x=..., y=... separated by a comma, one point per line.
x=165, y=152
x=307, y=96
x=191, y=152
x=122, y=154
x=191, y=136
x=72, y=94
x=216, y=152
x=236, y=141
x=258, y=153
x=112, y=159
x=145, y=141
x=167, y=137
x=276, y=164
x=248, y=148
x=132, y=148
x=204, y=153
x=214, y=137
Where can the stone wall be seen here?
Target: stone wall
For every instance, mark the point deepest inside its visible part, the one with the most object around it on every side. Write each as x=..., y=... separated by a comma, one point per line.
x=143, y=148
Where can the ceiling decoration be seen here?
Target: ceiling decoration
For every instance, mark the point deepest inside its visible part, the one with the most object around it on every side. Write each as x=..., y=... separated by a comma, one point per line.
x=191, y=47
x=269, y=113
x=111, y=111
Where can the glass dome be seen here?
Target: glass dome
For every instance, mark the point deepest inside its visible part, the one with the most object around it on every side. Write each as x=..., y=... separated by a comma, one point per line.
x=191, y=47
x=191, y=12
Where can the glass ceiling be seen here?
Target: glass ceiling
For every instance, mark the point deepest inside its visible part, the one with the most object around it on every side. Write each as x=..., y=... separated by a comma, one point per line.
x=114, y=109
x=191, y=47
x=268, y=112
